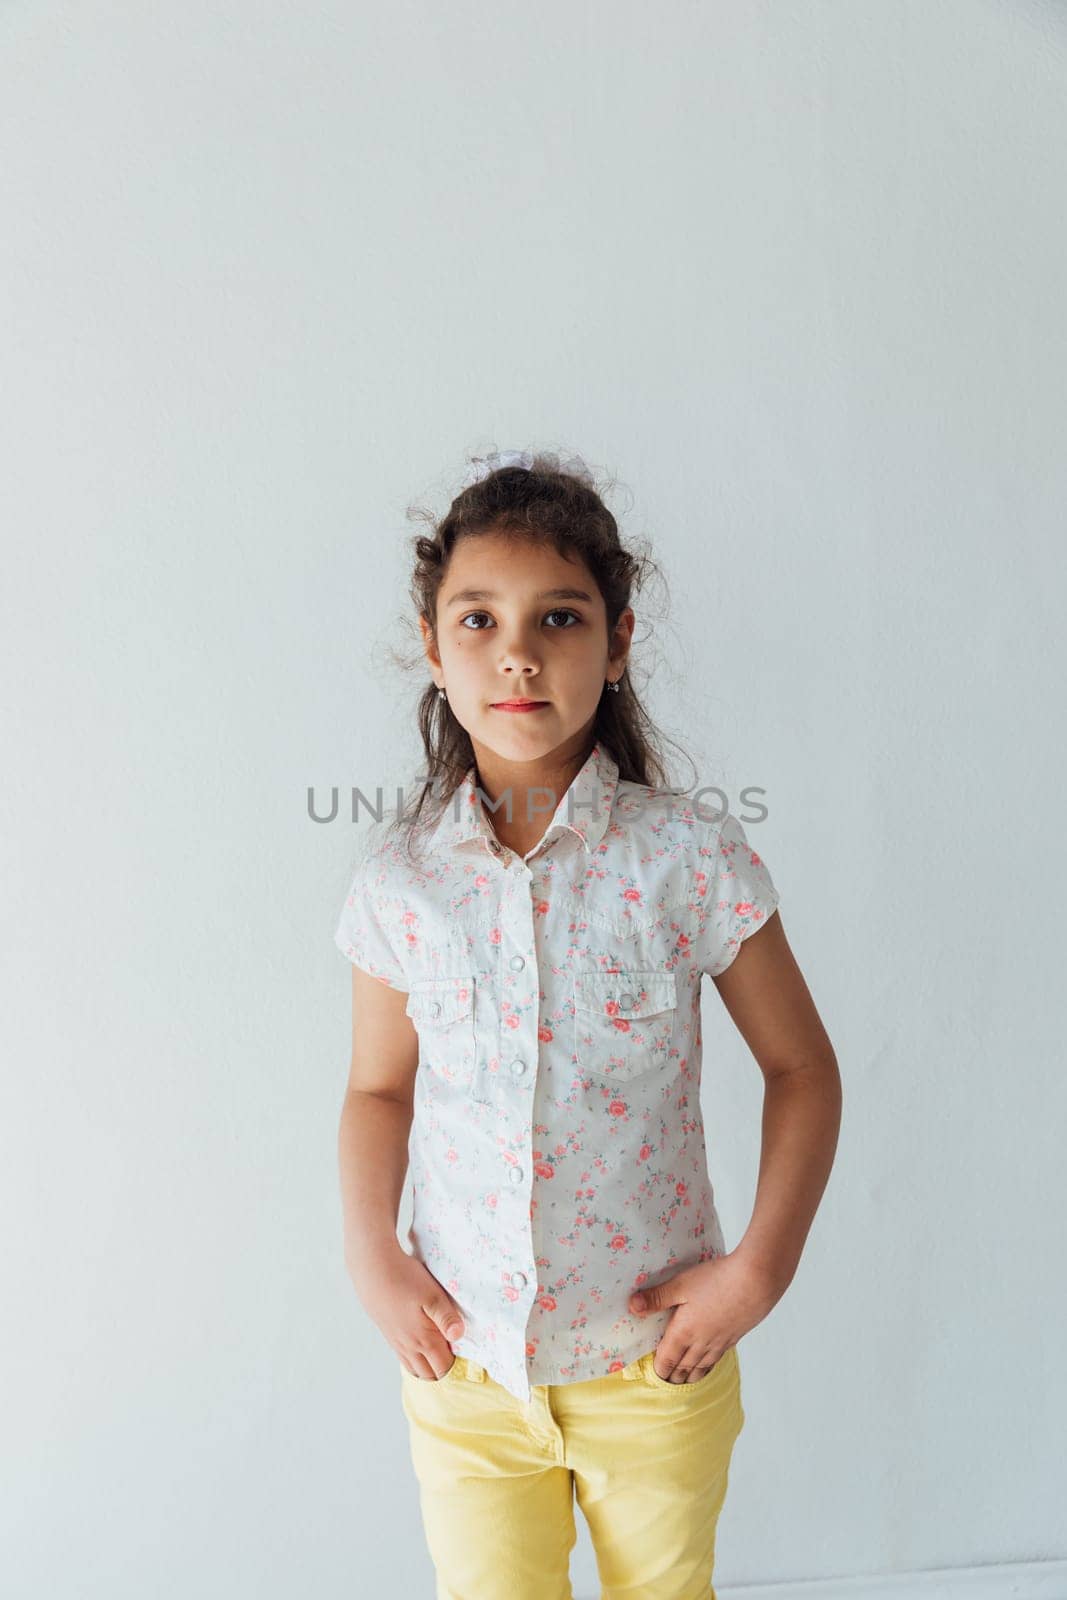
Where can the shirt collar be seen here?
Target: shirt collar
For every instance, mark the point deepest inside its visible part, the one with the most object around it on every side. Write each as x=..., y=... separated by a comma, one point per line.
x=584, y=808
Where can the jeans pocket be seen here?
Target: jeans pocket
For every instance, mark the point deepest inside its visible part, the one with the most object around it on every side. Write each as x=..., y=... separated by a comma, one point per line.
x=726, y=1365
x=429, y=1382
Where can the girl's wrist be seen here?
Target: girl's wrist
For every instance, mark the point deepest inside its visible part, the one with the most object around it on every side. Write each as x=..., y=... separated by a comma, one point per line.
x=371, y=1256
x=768, y=1278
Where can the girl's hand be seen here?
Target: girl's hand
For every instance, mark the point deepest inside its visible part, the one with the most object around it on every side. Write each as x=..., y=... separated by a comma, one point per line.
x=414, y=1312
x=718, y=1302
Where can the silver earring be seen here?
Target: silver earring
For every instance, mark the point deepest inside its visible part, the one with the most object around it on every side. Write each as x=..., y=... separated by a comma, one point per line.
x=441, y=694
x=611, y=685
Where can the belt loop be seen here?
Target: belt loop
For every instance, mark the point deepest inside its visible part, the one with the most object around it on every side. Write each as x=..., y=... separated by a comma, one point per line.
x=474, y=1372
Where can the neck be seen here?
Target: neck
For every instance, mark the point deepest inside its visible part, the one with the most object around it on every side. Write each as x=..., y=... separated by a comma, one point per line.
x=534, y=790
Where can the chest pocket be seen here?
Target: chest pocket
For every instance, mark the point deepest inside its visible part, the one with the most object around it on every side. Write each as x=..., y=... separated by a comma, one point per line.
x=623, y=1022
x=442, y=1010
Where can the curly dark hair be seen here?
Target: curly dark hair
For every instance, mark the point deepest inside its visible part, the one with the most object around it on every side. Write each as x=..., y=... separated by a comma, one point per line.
x=553, y=502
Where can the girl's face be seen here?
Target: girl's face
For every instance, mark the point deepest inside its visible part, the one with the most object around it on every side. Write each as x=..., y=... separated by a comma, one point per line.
x=518, y=621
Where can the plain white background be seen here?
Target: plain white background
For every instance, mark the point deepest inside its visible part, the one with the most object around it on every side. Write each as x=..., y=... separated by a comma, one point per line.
x=794, y=273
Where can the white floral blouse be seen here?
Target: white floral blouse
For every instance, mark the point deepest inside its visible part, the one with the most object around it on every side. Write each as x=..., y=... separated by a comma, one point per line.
x=557, y=1151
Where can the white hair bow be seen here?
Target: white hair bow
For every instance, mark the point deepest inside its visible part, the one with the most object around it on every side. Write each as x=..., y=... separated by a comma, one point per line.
x=481, y=466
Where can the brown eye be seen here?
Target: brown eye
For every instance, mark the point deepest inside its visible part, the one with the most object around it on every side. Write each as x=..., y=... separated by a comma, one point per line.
x=560, y=611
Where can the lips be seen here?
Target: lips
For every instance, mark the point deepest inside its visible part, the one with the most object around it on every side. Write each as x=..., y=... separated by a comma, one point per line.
x=518, y=705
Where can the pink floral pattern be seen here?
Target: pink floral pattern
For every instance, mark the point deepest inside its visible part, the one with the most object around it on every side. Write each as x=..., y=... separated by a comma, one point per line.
x=557, y=1153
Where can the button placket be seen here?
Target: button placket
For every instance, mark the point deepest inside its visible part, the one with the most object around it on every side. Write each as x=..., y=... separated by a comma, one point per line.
x=516, y=920
x=517, y=927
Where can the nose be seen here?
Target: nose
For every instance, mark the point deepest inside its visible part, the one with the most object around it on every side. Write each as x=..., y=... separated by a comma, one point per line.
x=519, y=656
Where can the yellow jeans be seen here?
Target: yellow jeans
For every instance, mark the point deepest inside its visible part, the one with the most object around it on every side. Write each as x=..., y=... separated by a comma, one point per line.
x=646, y=1459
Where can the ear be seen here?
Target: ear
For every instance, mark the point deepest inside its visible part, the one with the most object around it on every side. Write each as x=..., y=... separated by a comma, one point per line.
x=619, y=643
x=429, y=645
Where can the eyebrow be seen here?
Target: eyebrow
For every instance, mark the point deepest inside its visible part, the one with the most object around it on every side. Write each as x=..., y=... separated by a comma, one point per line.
x=546, y=594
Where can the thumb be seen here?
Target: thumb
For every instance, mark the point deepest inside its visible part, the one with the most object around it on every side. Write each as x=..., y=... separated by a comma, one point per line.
x=443, y=1312
x=669, y=1293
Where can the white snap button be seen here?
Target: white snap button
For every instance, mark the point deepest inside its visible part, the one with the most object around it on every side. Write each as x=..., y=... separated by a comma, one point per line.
x=518, y=1065
x=518, y=1280
x=517, y=963
x=435, y=1009
x=626, y=1001
x=515, y=1174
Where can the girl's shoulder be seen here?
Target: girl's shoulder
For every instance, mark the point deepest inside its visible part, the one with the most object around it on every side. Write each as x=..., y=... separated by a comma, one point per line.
x=683, y=831
x=396, y=853
x=381, y=848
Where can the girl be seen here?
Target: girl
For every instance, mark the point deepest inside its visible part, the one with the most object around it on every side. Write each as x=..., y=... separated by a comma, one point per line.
x=528, y=940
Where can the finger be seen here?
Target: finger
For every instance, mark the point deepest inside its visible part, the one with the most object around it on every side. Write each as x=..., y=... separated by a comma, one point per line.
x=708, y=1360
x=677, y=1369
x=417, y=1365
x=687, y=1369
x=425, y=1365
x=445, y=1318
x=683, y=1372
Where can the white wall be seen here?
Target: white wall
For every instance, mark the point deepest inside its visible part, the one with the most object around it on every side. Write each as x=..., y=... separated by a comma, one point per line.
x=796, y=274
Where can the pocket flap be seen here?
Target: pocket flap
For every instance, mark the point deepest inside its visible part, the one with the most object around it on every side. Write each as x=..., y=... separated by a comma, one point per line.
x=618, y=996
x=439, y=1002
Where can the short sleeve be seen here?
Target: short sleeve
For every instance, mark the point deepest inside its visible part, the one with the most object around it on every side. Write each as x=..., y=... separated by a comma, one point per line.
x=370, y=928
x=740, y=896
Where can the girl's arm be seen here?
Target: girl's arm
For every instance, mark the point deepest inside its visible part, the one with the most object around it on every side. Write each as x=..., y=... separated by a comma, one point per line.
x=376, y=1122
x=764, y=991
x=717, y=1302
x=413, y=1310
